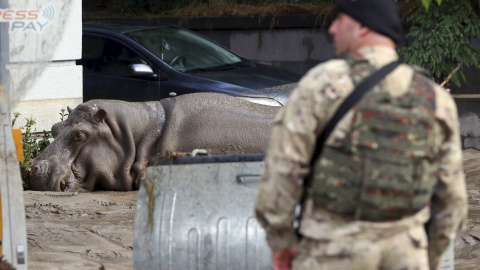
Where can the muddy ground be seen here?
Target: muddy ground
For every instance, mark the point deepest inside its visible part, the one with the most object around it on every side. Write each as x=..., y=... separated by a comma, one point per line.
x=467, y=244
x=80, y=231
x=95, y=230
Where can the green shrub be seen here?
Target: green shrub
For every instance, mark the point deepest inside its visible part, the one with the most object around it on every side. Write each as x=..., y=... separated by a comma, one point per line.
x=33, y=144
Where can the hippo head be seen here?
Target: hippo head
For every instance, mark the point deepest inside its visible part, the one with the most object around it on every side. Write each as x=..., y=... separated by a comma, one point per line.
x=81, y=156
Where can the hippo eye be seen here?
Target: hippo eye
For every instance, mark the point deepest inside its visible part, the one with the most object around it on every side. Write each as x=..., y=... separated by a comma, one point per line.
x=79, y=136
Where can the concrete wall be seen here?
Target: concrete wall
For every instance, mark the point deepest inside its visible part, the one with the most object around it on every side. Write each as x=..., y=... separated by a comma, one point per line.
x=469, y=116
x=293, y=42
x=296, y=50
x=44, y=77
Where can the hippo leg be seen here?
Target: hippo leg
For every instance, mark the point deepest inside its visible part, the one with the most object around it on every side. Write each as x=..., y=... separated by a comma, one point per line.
x=139, y=170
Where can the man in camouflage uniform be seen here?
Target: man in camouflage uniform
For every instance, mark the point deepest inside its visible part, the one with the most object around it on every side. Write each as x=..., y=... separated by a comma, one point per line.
x=392, y=156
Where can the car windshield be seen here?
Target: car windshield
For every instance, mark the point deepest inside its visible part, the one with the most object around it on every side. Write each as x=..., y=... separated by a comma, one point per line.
x=183, y=50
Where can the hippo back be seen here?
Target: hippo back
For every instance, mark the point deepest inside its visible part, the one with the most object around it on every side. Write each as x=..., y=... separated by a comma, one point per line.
x=218, y=122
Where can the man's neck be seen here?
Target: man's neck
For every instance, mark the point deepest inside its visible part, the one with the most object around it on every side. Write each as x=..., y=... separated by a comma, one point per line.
x=374, y=39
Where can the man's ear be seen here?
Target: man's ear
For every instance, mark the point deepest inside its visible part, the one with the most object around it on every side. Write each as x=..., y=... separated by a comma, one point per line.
x=100, y=115
x=364, y=30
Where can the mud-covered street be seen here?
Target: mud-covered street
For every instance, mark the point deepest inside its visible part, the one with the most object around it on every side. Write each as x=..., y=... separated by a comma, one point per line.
x=91, y=230
x=80, y=231
x=467, y=244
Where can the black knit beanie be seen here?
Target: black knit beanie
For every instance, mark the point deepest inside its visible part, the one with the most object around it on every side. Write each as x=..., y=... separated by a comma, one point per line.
x=382, y=16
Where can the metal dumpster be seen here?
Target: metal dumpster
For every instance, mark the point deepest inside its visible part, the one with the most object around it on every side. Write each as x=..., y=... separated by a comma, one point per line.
x=200, y=216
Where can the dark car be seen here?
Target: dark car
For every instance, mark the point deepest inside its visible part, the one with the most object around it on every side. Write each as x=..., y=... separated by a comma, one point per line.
x=143, y=60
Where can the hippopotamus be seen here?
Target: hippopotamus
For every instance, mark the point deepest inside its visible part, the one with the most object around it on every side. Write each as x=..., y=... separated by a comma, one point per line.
x=106, y=144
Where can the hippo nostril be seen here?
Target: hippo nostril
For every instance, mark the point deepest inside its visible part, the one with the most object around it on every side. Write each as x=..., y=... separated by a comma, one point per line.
x=62, y=185
x=34, y=170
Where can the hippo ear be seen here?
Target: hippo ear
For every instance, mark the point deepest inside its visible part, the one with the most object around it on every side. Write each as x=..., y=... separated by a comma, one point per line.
x=100, y=115
x=56, y=129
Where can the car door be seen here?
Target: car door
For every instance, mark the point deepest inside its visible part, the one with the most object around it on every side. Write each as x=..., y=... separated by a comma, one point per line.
x=107, y=73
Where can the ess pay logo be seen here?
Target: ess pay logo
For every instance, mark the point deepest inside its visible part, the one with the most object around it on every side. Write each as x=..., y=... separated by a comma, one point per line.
x=25, y=20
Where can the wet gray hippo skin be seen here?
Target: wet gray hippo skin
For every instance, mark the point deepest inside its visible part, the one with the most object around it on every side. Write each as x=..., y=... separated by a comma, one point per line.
x=106, y=143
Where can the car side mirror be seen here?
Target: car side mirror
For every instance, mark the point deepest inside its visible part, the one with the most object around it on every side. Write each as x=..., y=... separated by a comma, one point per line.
x=142, y=71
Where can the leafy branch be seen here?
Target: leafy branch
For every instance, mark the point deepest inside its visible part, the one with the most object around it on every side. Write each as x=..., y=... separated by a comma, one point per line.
x=442, y=39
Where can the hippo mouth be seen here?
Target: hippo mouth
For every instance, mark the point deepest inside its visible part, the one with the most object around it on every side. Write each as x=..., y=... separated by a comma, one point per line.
x=66, y=185
x=69, y=182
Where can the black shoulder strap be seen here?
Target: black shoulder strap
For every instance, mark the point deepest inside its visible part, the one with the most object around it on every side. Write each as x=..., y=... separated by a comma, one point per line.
x=347, y=104
x=362, y=88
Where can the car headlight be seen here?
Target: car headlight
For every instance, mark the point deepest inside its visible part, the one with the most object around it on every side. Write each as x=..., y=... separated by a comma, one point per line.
x=263, y=101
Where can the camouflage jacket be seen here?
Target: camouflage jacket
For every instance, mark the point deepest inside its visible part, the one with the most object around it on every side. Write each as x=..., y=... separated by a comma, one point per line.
x=297, y=126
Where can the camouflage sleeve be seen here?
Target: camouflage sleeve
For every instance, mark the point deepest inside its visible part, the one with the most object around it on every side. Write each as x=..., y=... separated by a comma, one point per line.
x=288, y=157
x=450, y=199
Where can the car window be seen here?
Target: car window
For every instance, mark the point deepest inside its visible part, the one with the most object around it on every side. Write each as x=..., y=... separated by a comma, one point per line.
x=107, y=56
x=183, y=50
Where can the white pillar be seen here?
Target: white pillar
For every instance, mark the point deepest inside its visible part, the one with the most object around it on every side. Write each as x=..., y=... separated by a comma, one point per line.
x=45, y=40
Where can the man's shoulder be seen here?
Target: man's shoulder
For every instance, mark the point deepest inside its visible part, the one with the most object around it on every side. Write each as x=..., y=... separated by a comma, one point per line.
x=425, y=75
x=332, y=66
x=325, y=72
x=443, y=98
x=422, y=72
